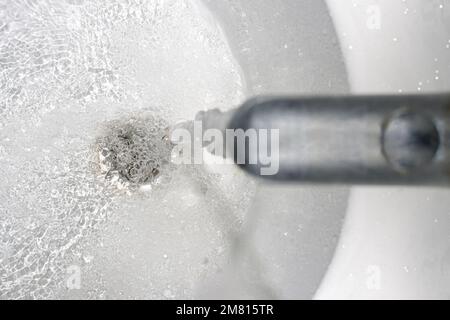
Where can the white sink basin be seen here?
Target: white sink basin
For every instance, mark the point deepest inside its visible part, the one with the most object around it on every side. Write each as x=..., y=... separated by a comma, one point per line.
x=75, y=71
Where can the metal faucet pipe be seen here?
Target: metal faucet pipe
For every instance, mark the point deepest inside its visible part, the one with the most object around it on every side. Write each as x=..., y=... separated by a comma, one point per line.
x=388, y=140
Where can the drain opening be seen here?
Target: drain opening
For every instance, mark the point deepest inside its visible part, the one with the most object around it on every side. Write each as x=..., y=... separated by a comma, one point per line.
x=135, y=151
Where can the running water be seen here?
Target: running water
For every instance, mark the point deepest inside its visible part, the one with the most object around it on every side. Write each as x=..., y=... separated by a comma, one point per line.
x=68, y=70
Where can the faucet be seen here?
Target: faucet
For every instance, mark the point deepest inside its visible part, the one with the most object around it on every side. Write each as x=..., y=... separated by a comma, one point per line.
x=371, y=140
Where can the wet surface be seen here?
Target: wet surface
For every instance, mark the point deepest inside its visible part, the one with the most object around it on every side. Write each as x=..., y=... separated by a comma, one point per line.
x=70, y=69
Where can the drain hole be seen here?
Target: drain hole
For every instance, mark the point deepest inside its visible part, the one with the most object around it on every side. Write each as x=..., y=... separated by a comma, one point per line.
x=134, y=151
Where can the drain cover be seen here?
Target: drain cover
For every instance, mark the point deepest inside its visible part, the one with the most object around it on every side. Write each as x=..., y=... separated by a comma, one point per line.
x=134, y=151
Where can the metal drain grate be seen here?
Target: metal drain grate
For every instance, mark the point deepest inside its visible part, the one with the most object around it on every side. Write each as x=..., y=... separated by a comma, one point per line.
x=134, y=151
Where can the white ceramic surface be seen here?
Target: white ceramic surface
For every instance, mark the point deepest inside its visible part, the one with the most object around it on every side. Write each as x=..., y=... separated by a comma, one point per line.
x=396, y=241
